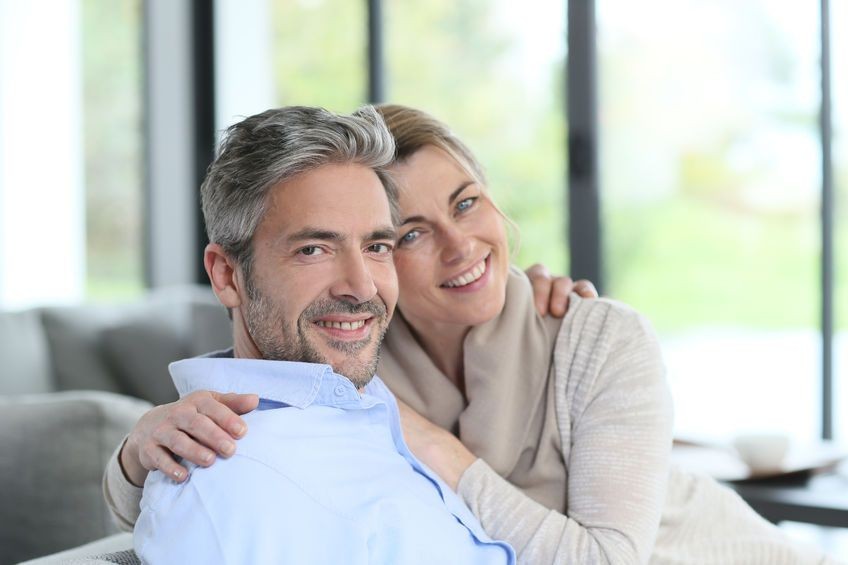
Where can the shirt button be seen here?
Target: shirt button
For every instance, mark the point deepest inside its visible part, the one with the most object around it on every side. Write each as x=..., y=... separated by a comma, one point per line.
x=340, y=390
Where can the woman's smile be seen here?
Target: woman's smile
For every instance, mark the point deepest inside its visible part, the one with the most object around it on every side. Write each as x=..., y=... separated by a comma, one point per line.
x=471, y=279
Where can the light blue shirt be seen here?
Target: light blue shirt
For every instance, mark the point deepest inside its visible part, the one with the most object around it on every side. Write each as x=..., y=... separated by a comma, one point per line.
x=322, y=476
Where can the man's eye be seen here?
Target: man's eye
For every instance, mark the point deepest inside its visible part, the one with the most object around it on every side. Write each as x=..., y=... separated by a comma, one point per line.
x=409, y=236
x=380, y=248
x=465, y=204
x=310, y=250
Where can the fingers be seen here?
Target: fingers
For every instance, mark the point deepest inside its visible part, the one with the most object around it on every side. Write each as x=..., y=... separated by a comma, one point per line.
x=238, y=403
x=155, y=457
x=201, y=430
x=585, y=288
x=200, y=424
x=224, y=410
x=560, y=290
x=540, y=279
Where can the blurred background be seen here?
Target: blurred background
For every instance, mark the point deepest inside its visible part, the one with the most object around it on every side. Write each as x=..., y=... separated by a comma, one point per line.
x=689, y=156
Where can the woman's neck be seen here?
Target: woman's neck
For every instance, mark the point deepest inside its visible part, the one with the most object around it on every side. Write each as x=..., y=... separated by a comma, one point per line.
x=444, y=345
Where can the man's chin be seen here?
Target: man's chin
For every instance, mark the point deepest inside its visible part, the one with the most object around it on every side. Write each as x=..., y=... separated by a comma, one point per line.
x=356, y=360
x=358, y=371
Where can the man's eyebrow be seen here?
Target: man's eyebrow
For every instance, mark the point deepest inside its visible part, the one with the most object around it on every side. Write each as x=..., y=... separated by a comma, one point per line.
x=453, y=196
x=314, y=233
x=382, y=233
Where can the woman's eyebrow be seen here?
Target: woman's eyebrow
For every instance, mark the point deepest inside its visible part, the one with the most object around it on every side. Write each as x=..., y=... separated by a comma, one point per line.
x=453, y=196
x=412, y=219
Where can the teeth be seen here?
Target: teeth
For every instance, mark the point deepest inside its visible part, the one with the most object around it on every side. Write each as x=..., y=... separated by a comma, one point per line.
x=341, y=325
x=468, y=278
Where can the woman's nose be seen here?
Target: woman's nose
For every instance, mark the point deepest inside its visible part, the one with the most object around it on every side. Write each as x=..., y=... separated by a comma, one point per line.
x=456, y=245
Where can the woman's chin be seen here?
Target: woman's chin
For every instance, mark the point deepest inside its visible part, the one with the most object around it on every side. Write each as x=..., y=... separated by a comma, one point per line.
x=476, y=312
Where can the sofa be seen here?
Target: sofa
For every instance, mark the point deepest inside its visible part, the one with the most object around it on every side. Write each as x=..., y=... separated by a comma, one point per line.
x=74, y=380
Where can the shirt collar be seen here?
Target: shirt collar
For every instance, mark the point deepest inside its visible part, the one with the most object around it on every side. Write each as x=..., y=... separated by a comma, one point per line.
x=293, y=383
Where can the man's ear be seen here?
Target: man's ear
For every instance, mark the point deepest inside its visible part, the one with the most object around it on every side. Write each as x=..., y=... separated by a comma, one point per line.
x=222, y=271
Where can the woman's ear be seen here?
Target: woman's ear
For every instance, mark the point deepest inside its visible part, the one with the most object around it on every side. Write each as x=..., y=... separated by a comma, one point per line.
x=222, y=271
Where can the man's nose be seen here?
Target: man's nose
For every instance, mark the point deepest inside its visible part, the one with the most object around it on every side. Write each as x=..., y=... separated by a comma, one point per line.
x=456, y=245
x=354, y=282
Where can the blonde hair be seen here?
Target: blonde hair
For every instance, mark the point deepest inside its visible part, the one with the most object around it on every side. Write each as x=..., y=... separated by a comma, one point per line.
x=415, y=129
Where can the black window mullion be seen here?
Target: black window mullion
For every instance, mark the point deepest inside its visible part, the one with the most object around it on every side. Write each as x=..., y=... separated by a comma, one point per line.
x=827, y=206
x=203, y=54
x=376, y=62
x=584, y=205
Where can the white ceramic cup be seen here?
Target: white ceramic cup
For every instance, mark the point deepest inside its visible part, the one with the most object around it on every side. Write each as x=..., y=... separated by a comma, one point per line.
x=762, y=451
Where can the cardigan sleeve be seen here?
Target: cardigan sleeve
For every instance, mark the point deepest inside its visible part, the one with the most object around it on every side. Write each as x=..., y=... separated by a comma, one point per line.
x=122, y=497
x=615, y=418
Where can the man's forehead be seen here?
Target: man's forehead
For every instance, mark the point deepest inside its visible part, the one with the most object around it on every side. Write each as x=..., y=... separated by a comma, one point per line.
x=344, y=199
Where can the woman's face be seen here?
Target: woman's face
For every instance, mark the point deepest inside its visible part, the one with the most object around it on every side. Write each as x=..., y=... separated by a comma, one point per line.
x=452, y=256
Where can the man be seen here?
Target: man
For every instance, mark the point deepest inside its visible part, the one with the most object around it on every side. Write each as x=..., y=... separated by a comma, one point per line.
x=299, y=212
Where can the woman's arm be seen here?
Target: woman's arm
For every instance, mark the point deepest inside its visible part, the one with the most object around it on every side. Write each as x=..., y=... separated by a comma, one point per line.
x=614, y=402
x=196, y=428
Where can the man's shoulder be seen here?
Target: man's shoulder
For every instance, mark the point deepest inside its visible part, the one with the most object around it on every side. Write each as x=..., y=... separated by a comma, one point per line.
x=240, y=507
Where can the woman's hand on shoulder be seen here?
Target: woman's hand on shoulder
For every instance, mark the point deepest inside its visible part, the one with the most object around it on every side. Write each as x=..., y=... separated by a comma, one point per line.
x=551, y=293
x=196, y=428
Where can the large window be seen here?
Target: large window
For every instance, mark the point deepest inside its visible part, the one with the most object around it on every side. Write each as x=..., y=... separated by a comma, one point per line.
x=711, y=191
x=319, y=53
x=70, y=151
x=112, y=127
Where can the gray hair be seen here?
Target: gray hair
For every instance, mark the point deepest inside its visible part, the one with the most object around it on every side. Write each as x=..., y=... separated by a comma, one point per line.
x=266, y=149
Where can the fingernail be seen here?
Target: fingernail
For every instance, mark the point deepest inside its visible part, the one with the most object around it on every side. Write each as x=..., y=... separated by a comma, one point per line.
x=240, y=429
x=207, y=457
x=178, y=474
x=228, y=447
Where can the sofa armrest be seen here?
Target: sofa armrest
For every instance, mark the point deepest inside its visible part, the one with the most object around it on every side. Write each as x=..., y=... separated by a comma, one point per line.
x=55, y=447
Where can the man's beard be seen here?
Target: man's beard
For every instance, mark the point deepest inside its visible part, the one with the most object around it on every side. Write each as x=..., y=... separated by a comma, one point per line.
x=278, y=341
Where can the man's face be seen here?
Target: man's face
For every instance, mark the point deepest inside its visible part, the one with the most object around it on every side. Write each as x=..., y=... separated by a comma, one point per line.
x=322, y=285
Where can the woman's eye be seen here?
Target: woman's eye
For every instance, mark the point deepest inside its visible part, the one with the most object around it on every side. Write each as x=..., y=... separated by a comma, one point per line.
x=465, y=204
x=409, y=236
x=310, y=250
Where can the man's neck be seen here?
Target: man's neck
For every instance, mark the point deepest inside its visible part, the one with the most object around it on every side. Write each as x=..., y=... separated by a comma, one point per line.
x=243, y=345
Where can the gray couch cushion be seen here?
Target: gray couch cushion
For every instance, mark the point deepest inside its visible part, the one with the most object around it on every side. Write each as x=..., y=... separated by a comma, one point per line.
x=211, y=328
x=139, y=352
x=55, y=447
x=75, y=334
x=24, y=354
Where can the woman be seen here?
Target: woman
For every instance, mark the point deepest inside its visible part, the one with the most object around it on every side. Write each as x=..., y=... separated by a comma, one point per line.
x=556, y=432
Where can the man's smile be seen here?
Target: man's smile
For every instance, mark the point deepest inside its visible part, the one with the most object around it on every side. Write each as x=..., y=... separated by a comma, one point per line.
x=345, y=328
